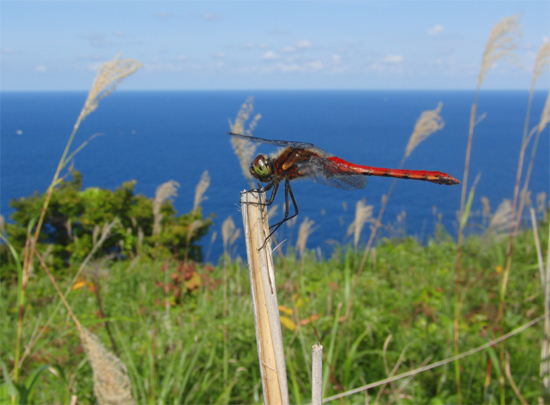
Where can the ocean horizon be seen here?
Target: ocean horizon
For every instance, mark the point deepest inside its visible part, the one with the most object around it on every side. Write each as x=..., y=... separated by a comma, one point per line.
x=156, y=136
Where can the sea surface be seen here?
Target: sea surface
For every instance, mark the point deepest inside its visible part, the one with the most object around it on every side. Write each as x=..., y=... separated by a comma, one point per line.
x=154, y=137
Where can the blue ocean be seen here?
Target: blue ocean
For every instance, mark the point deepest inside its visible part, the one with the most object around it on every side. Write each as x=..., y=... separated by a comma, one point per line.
x=154, y=137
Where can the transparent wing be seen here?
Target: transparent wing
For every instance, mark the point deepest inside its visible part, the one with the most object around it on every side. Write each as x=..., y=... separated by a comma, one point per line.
x=285, y=144
x=326, y=172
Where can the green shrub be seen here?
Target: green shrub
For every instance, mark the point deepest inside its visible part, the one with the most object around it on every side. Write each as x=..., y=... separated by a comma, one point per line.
x=76, y=219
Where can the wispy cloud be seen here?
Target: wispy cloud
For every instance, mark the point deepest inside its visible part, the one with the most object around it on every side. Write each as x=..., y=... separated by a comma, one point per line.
x=10, y=51
x=270, y=55
x=285, y=67
x=40, y=68
x=251, y=45
x=389, y=62
x=300, y=45
x=393, y=59
x=436, y=29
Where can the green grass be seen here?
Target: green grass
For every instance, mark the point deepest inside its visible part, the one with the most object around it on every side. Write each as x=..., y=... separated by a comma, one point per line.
x=177, y=356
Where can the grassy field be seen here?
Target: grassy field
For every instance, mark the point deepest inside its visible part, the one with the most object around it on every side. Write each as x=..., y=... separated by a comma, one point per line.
x=199, y=346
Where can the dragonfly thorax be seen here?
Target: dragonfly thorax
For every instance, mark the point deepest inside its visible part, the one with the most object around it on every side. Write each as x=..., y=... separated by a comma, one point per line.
x=262, y=168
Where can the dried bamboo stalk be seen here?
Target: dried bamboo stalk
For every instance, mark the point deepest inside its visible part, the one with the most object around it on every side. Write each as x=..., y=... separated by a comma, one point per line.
x=269, y=337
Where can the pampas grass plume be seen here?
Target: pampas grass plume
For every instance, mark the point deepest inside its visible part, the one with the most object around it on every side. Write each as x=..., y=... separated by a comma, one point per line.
x=200, y=189
x=429, y=122
x=163, y=193
x=109, y=75
x=501, y=44
x=306, y=229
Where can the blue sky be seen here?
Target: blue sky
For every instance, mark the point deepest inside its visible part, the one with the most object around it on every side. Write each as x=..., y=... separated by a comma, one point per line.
x=58, y=45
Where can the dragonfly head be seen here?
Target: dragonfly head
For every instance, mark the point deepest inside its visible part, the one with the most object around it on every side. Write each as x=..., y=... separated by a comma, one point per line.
x=262, y=168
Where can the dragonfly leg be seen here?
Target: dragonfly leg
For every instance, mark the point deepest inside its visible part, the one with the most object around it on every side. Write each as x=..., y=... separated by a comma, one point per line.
x=288, y=191
x=271, y=185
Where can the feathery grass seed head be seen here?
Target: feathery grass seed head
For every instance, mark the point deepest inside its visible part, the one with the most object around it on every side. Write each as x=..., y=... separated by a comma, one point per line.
x=541, y=62
x=363, y=213
x=109, y=75
x=229, y=233
x=501, y=44
x=201, y=188
x=111, y=382
x=163, y=193
x=429, y=122
x=243, y=149
x=306, y=229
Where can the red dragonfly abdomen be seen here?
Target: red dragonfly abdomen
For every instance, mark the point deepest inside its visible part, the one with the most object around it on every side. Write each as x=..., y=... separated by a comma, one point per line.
x=432, y=176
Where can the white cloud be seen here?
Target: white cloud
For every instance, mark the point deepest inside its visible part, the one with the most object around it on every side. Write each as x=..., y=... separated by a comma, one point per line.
x=304, y=43
x=436, y=29
x=389, y=62
x=270, y=55
x=10, y=51
x=298, y=46
x=391, y=59
x=296, y=67
x=252, y=45
x=40, y=68
x=315, y=65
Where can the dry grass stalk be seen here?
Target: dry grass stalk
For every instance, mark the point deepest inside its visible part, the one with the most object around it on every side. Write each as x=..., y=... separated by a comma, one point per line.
x=541, y=204
x=111, y=383
x=545, y=283
x=229, y=234
x=541, y=62
x=421, y=369
x=163, y=193
x=501, y=44
x=429, y=122
x=486, y=213
x=545, y=116
x=512, y=382
x=418, y=132
x=201, y=188
x=306, y=229
x=109, y=75
x=243, y=149
x=502, y=221
x=363, y=213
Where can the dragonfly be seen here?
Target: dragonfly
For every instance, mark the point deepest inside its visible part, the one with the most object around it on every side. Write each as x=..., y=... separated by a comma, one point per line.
x=300, y=160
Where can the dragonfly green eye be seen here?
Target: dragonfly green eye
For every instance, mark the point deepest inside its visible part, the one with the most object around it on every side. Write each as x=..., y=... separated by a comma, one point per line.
x=261, y=168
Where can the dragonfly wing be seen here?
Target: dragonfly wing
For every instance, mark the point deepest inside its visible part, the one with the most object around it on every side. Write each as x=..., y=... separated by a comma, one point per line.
x=324, y=171
x=284, y=144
